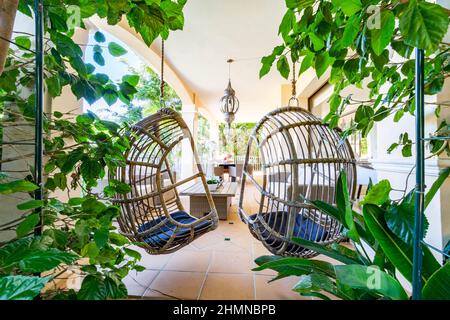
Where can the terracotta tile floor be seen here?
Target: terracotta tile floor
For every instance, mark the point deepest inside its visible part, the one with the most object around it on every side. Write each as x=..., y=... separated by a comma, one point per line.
x=216, y=266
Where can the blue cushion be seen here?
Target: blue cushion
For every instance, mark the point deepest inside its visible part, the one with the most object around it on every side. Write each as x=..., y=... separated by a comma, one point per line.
x=160, y=236
x=304, y=228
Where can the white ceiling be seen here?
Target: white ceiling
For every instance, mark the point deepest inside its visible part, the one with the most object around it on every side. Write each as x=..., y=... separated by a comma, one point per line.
x=216, y=30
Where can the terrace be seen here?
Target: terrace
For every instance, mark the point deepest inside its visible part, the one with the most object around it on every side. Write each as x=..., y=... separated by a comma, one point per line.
x=297, y=167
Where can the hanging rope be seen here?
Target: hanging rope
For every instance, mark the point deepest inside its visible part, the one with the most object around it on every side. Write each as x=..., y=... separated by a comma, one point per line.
x=229, y=61
x=162, y=83
x=294, y=88
x=294, y=82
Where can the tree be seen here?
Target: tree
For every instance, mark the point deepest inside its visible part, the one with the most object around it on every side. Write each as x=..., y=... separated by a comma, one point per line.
x=148, y=91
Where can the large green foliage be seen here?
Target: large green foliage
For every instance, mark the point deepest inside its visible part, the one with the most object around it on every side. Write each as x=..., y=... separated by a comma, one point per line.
x=79, y=150
x=358, y=276
x=354, y=40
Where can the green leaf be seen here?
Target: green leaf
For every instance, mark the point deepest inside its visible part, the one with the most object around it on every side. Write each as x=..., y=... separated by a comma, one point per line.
x=306, y=62
x=132, y=253
x=99, y=37
x=329, y=210
x=23, y=42
x=378, y=194
x=349, y=7
x=398, y=115
x=110, y=96
x=32, y=255
x=283, y=67
x=400, y=219
x=345, y=207
x=58, y=115
x=317, y=42
x=350, y=32
x=90, y=170
x=21, y=287
x=79, y=65
x=447, y=248
x=116, y=50
x=380, y=62
x=27, y=225
x=322, y=62
x=40, y=261
x=93, y=288
x=98, y=58
x=92, y=205
x=407, y=150
x=443, y=175
x=83, y=89
x=397, y=251
x=423, y=24
x=127, y=89
x=102, y=78
x=17, y=186
x=118, y=239
x=300, y=264
x=132, y=79
x=381, y=37
x=115, y=289
x=267, y=63
x=438, y=286
x=32, y=204
x=315, y=282
x=287, y=23
x=101, y=237
x=327, y=251
x=363, y=114
x=54, y=86
x=72, y=158
x=299, y=4
x=90, y=250
x=392, y=147
x=371, y=279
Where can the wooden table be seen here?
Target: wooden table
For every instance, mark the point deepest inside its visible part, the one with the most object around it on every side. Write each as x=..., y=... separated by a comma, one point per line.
x=226, y=165
x=221, y=197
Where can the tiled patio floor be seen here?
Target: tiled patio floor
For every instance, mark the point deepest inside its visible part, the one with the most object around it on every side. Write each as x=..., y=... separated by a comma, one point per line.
x=212, y=267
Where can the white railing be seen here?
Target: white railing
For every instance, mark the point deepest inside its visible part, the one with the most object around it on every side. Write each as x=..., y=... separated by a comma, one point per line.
x=253, y=160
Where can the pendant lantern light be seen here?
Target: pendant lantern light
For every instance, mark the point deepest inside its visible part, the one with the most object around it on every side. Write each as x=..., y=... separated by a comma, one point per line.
x=229, y=103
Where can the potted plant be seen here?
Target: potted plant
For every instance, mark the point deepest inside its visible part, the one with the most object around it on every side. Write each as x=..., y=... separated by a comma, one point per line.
x=213, y=183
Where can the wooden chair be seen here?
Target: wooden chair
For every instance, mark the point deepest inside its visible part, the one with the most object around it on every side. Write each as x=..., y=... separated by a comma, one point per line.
x=152, y=212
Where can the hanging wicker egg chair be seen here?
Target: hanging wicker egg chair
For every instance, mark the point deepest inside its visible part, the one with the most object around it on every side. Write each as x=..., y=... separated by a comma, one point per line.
x=152, y=212
x=301, y=159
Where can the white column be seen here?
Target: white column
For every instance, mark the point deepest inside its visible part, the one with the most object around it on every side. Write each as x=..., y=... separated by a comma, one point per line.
x=190, y=116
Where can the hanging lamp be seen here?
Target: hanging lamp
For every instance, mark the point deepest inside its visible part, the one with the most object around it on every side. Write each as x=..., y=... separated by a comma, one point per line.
x=229, y=103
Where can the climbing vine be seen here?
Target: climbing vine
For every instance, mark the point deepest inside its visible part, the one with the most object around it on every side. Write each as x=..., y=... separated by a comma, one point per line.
x=78, y=237
x=355, y=41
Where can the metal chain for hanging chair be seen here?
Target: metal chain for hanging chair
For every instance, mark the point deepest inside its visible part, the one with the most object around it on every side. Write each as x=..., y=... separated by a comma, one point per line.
x=294, y=88
x=161, y=95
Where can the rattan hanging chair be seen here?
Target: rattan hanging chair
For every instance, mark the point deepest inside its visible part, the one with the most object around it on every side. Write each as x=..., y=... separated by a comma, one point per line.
x=152, y=213
x=301, y=159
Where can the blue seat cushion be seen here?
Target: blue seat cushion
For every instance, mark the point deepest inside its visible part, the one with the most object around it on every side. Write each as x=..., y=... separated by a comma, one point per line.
x=162, y=235
x=304, y=228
